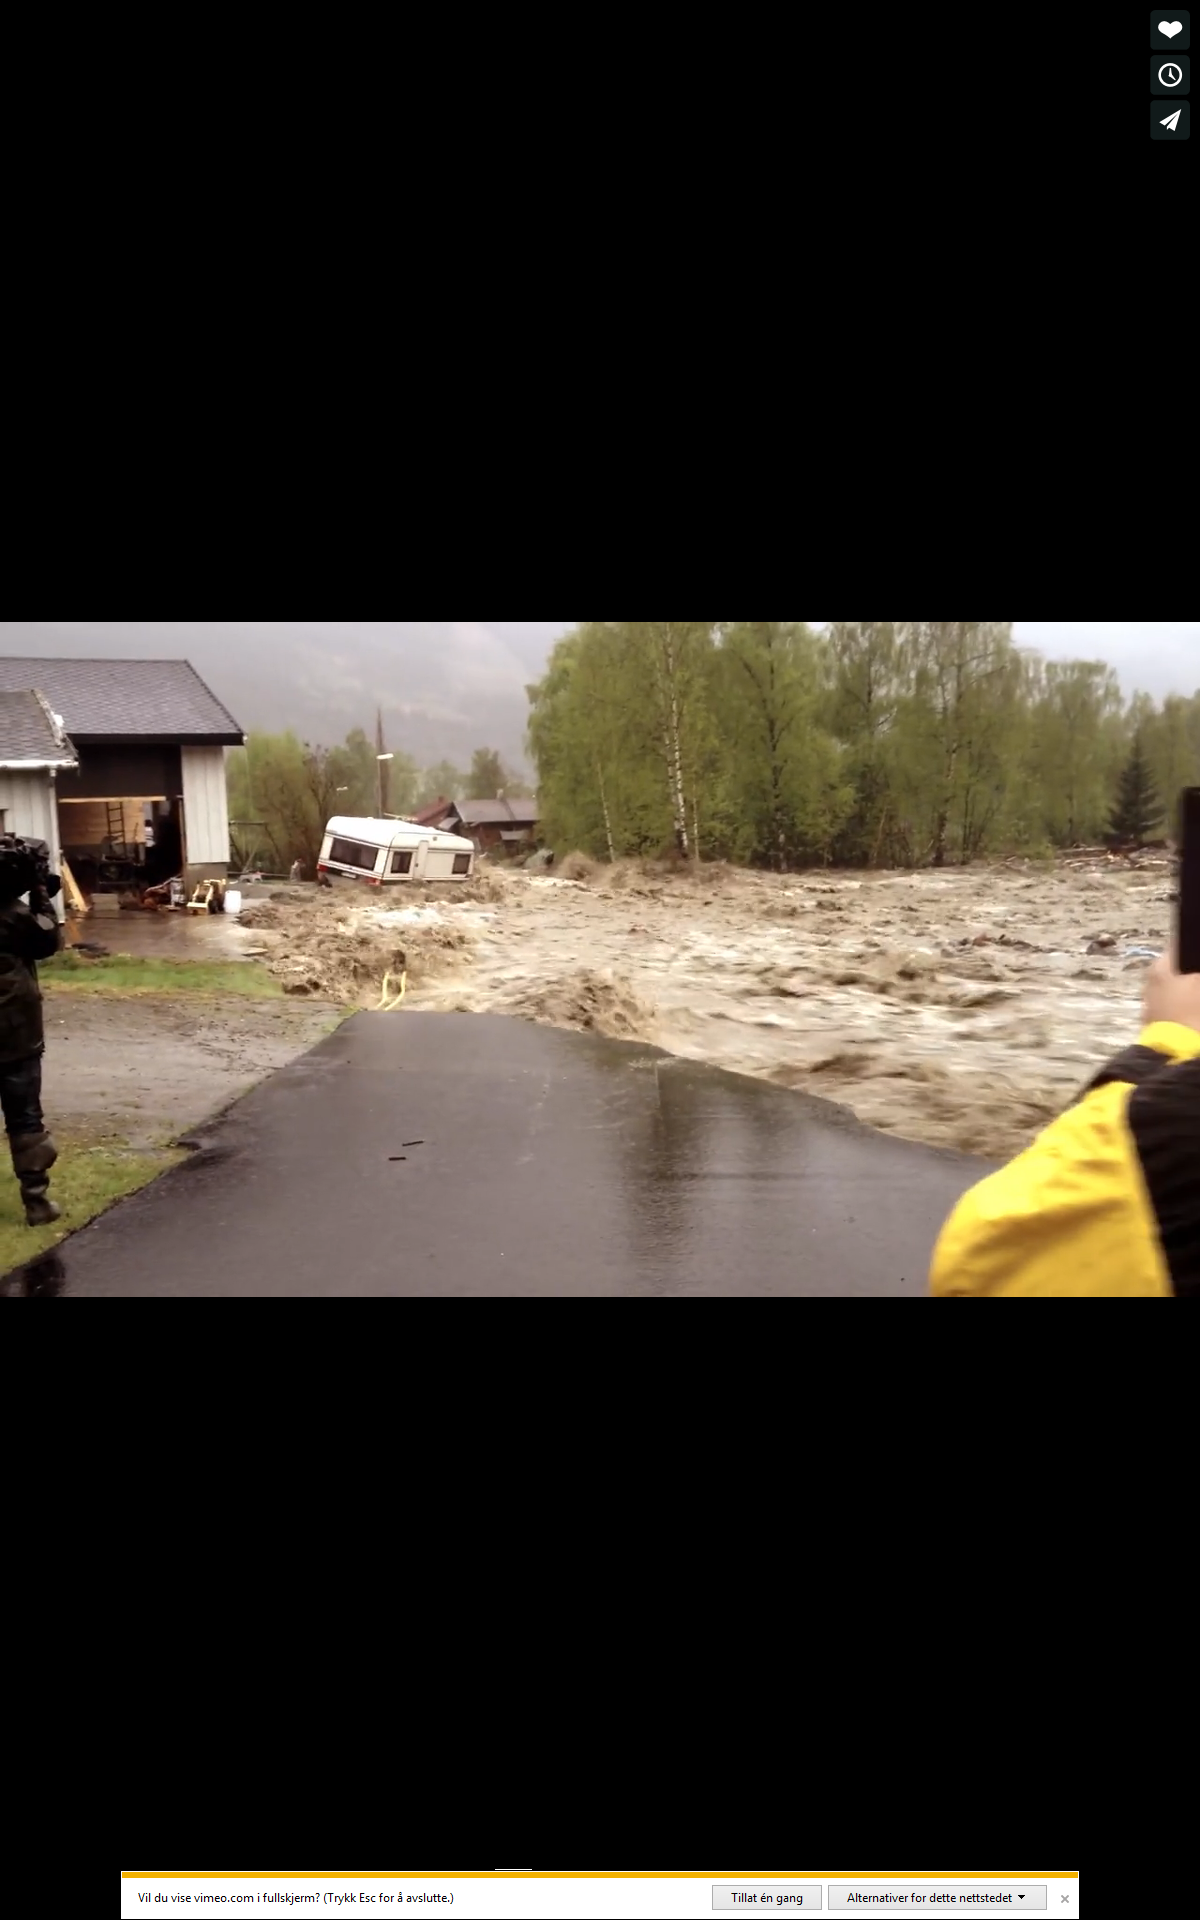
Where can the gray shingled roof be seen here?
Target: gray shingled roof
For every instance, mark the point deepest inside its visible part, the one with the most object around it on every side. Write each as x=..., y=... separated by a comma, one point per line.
x=126, y=699
x=498, y=813
x=28, y=732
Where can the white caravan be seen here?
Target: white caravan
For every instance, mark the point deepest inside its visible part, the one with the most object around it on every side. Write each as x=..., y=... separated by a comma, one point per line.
x=387, y=853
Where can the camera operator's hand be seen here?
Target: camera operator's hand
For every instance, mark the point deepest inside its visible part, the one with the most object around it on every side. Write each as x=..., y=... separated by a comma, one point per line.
x=1171, y=995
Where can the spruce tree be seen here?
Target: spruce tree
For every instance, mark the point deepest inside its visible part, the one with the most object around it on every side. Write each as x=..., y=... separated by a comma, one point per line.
x=1138, y=810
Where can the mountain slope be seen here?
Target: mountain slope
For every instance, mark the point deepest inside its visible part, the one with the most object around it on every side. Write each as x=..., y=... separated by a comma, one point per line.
x=446, y=687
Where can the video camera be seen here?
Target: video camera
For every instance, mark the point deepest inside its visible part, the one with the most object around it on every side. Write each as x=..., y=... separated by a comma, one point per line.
x=24, y=865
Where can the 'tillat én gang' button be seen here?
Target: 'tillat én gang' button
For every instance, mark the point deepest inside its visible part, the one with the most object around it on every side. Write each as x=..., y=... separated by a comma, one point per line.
x=1170, y=73
x=1169, y=122
x=1170, y=19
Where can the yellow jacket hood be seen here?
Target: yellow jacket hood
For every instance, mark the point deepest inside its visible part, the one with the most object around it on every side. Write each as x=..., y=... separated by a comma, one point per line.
x=1107, y=1199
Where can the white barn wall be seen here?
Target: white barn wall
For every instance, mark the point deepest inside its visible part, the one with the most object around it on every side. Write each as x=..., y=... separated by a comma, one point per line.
x=28, y=801
x=206, y=806
x=30, y=805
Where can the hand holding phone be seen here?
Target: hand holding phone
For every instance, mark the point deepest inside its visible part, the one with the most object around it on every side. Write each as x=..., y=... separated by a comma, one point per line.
x=1171, y=995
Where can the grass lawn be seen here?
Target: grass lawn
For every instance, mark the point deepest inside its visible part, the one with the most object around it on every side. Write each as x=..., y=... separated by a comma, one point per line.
x=85, y=1182
x=96, y=1165
x=71, y=973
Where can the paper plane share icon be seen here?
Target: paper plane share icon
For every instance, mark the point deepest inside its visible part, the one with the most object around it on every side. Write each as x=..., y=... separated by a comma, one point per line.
x=1172, y=119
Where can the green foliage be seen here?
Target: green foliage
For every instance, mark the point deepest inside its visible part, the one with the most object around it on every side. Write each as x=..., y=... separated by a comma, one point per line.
x=353, y=767
x=294, y=789
x=486, y=776
x=490, y=777
x=1077, y=737
x=882, y=743
x=1138, y=810
x=441, y=782
x=600, y=784
x=291, y=788
x=784, y=775
x=1172, y=743
x=874, y=743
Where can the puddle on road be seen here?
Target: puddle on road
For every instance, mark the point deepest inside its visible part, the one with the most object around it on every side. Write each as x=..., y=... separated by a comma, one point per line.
x=43, y=1278
x=168, y=936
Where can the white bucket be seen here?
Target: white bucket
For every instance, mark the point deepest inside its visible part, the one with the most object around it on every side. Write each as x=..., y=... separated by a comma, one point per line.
x=233, y=900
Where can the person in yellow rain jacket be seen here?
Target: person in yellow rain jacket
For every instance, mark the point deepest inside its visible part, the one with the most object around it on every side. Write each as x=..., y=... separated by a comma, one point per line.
x=1106, y=1202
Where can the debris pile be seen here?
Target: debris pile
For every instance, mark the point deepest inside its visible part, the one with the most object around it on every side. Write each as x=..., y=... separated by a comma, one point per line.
x=337, y=966
x=1117, y=860
x=317, y=946
x=259, y=914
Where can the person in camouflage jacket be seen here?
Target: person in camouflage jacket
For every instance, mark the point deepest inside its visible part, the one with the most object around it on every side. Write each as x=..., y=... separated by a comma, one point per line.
x=27, y=934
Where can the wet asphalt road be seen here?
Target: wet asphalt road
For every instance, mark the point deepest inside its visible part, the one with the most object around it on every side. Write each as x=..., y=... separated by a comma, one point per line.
x=474, y=1155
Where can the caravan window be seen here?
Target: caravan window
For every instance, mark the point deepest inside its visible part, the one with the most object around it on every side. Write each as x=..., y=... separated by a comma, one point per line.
x=402, y=862
x=349, y=853
x=462, y=863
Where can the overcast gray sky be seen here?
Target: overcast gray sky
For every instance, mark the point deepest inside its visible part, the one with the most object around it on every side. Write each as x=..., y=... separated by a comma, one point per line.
x=448, y=686
x=1153, y=656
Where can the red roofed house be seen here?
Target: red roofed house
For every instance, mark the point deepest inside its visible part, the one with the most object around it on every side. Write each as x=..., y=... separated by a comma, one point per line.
x=510, y=825
x=434, y=814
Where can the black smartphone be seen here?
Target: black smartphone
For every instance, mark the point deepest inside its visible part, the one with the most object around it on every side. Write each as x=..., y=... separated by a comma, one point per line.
x=1189, y=883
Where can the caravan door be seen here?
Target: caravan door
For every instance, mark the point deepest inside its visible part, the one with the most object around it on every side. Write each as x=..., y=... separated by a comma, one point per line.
x=406, y=859
x=449, y=858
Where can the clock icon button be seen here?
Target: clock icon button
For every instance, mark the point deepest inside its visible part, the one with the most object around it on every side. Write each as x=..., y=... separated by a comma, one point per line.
x=1170, y=73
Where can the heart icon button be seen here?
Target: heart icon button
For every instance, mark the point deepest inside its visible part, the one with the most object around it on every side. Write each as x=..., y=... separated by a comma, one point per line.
x=1170, y=28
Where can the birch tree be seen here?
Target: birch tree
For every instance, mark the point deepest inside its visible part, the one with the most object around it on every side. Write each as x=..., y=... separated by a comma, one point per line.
x=1077, y=730
x=956, y=669
x=784, y=772
x=673, y=656
x=864, y=689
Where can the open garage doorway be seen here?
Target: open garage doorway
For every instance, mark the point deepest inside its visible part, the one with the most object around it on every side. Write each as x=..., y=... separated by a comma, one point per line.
x=120, y=818
x=132, y=840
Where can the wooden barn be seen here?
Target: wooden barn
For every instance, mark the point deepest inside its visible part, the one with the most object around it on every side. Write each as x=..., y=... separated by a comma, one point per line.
x=138, y=781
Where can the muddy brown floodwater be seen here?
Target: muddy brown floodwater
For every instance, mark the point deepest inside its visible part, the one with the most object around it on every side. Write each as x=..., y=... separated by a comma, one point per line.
x=960, y=1008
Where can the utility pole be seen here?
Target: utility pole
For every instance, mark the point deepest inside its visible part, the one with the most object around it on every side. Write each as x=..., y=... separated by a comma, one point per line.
x=382, y=757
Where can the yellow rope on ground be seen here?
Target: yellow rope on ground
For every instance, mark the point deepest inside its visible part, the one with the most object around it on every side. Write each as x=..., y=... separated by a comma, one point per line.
x=389, y=1006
